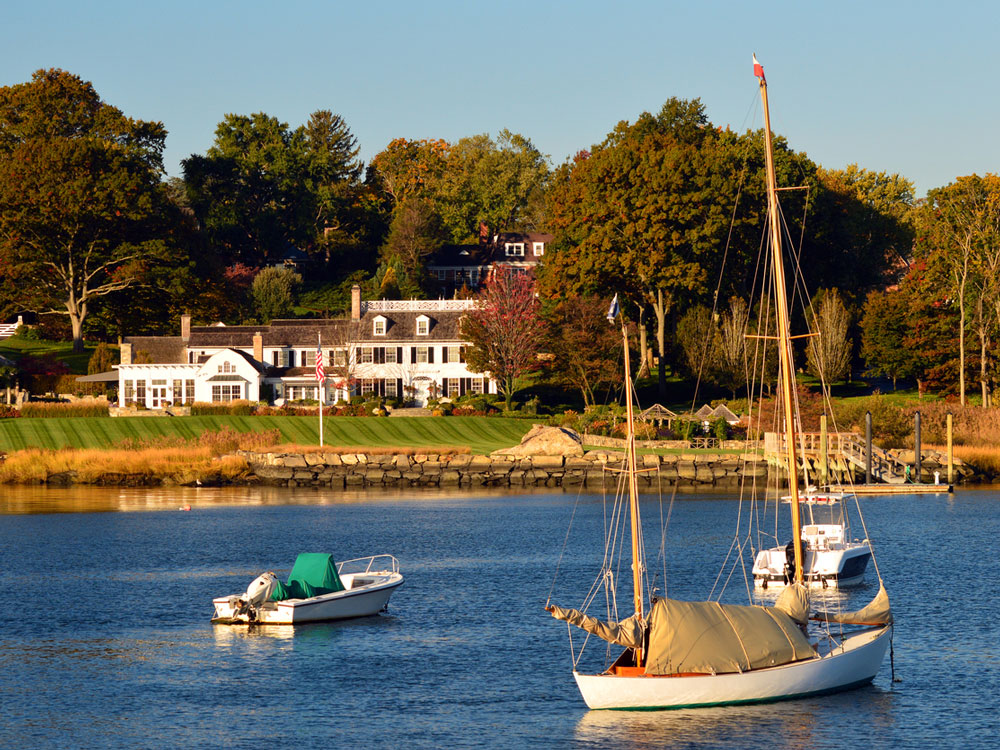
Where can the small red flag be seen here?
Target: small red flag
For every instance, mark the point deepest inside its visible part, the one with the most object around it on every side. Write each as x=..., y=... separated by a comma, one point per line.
x=758, y=69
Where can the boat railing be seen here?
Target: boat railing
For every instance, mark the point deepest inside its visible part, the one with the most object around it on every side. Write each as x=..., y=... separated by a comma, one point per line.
x=374, y=563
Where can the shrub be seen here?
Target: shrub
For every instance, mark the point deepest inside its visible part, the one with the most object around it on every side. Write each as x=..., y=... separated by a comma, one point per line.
x=69, y=384
x=643, y=430
x=720, y=429
x=223, y=408
x=27, y=333
x=38, y=409
x=8, y=412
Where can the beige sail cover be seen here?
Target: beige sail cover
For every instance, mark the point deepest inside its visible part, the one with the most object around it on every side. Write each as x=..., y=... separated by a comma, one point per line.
x=713, y=638
x=876, y=612
x=626, y=633
x=794, y=602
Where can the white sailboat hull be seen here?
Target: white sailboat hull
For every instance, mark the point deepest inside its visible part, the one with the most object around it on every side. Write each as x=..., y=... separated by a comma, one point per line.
x=853, y=663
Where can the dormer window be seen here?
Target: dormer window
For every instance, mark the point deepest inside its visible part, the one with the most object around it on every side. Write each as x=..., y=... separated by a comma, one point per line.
x=227, y=367
x=423, y=325
x=538, y=248
x=514, y=249
x=379, y=326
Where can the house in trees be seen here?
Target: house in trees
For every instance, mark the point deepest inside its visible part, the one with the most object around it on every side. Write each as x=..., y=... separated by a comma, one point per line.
x=407, y=350
x=455, y=266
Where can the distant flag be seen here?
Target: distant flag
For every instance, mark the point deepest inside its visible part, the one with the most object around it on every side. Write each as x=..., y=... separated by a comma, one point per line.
x=758, y=69
x=613, y=310
x=320, y=372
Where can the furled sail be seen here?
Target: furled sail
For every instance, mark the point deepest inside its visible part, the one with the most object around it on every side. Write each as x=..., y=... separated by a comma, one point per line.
x=794, y=602
x=876, y=612
x=626, y=633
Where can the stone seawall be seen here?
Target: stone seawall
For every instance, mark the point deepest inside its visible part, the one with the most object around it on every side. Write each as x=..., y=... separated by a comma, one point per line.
x=595, y=468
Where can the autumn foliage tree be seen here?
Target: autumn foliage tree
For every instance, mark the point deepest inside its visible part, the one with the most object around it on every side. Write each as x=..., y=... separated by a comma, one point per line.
x=80, y=195
x=585, y=349
x=504, y=330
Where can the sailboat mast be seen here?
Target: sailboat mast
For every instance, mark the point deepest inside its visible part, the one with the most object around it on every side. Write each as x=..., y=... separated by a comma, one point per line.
x=633, y=493
x=784, y=342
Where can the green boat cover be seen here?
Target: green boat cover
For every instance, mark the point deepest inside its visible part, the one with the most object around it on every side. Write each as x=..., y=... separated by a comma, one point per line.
x=313, y=574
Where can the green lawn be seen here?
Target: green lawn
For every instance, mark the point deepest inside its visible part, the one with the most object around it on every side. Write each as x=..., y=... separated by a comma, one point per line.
x=15, y=347
x=480, y=434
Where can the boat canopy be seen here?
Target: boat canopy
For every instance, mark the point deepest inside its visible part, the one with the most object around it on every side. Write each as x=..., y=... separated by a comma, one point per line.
x=314, y=574
x=704, y=637
x=876, y=612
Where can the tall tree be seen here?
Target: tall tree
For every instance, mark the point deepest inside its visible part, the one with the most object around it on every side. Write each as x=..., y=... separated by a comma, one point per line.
x=273, y=293
x=884, y=327
x=416, y=232
x=828, y=354
x=81, y=202
x=505, y=331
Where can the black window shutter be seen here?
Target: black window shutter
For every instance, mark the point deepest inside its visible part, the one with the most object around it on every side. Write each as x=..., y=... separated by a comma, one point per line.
x=413, y=355
x=463, y=386
x=444, y=386
x=399, y=388
x=444, y=355
x=399, y=354
x=430, y=354
x=461, y=354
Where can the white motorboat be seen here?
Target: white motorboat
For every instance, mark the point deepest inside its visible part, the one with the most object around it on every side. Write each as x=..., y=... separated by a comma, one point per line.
x=706, y=653
x=317, y=589
x=830, y=559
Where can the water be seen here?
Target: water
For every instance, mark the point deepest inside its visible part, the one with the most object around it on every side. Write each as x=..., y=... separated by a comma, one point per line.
x=106, y=640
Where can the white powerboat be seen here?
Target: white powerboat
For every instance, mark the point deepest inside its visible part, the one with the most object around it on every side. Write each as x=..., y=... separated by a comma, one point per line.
x=830, y=559
x=317, y=589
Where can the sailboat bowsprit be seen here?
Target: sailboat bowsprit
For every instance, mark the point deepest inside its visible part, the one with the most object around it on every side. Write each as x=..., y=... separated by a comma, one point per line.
x=690, y=654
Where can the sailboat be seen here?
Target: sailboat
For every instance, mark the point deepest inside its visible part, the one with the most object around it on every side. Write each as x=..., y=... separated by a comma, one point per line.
x=681, y=654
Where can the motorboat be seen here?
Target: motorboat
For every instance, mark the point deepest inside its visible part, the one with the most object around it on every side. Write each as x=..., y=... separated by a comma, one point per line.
x=830, y=558
x=317, y=589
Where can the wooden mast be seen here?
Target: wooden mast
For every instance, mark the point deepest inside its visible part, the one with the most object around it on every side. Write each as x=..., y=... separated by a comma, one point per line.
x=638, y=564
x=784, y=342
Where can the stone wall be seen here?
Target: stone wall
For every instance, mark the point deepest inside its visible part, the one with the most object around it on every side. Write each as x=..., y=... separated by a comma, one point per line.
x=595, y=468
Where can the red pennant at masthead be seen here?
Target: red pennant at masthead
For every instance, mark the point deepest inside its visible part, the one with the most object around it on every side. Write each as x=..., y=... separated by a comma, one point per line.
x=758, y=69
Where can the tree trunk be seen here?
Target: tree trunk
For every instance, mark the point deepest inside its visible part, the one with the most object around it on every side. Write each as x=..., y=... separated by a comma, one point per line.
x=660, y=309
x=76, y=321
x=961, y=351
x=643, y=363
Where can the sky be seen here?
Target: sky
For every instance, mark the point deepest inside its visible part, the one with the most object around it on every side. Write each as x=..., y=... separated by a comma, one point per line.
x=900, y=87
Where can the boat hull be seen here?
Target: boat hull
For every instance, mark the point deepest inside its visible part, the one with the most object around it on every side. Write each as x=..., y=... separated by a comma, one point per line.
x=852, y=664
x=361, y=601
x=835, y=568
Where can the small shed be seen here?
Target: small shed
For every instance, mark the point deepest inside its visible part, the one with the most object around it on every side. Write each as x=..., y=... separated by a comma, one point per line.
x=724, y=412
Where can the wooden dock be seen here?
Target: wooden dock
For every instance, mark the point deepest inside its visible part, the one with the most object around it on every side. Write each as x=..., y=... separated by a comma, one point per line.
x=894, y=489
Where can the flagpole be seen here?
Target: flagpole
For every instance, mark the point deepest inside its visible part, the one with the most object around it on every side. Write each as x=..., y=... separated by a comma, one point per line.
x=321, y=388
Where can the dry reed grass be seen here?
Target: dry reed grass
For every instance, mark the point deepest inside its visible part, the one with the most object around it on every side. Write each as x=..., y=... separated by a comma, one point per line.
x=165, y=459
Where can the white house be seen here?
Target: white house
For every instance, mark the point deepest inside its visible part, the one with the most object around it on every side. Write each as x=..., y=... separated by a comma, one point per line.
x=397, y=349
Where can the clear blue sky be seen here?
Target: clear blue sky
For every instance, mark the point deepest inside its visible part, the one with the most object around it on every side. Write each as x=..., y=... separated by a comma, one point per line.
x=907, y=87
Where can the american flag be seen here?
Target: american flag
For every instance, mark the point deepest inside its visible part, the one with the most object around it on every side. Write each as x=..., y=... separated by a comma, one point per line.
x=320, y=372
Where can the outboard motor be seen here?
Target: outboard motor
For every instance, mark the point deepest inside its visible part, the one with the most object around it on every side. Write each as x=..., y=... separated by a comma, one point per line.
x=790, y=562
x=258, y=592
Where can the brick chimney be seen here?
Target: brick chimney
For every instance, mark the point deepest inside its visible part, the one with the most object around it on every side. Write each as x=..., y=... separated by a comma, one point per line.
x=185, y=327
x=355, y=302
x=258, y=346
x=126, y=354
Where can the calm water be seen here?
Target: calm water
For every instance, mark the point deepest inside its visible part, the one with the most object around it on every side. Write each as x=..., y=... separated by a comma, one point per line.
x=106, y=640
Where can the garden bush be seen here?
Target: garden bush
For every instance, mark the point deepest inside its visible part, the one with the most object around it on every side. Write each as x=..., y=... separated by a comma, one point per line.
x=41, y=409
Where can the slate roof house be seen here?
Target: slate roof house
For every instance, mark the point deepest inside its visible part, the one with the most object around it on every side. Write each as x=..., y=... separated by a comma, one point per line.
x=397, y=349
x=453, y=266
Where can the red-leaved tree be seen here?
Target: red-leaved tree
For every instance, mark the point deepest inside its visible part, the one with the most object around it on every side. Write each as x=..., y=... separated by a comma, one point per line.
x=504, y=330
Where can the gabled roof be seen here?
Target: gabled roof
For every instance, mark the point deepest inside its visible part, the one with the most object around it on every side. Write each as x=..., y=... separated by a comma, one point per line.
x=704, y=412
x=656, y=411
x=162, y=349
x=485, y=254
x=723, y=412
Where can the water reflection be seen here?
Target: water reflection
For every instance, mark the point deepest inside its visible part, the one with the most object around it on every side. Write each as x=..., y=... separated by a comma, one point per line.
x=21, y=500
x=792, y=724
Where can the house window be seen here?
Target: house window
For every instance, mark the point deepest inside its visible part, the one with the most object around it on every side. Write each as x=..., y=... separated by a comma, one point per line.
x=379, y=327
x=227, y=392
x=454, y=387
x=367, y=386
x=129, y=394
x=140, y=391
x=474, y=276
x=538, y=248
x=455, y=354
x=367, y=355
x=309, y=358
x=224, y=367
x=189, y=391
x=390, y=388
x=441, y=274
x=514, y=249
x=390, y=355
x=422, y=354
x=340, y=357
x=477, y=385
x=423, y=325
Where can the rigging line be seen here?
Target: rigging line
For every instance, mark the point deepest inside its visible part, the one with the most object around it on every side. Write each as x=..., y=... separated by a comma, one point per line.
x=555, y=575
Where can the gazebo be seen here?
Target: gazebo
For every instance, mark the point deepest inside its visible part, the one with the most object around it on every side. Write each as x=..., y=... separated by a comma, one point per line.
x=658, y=414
